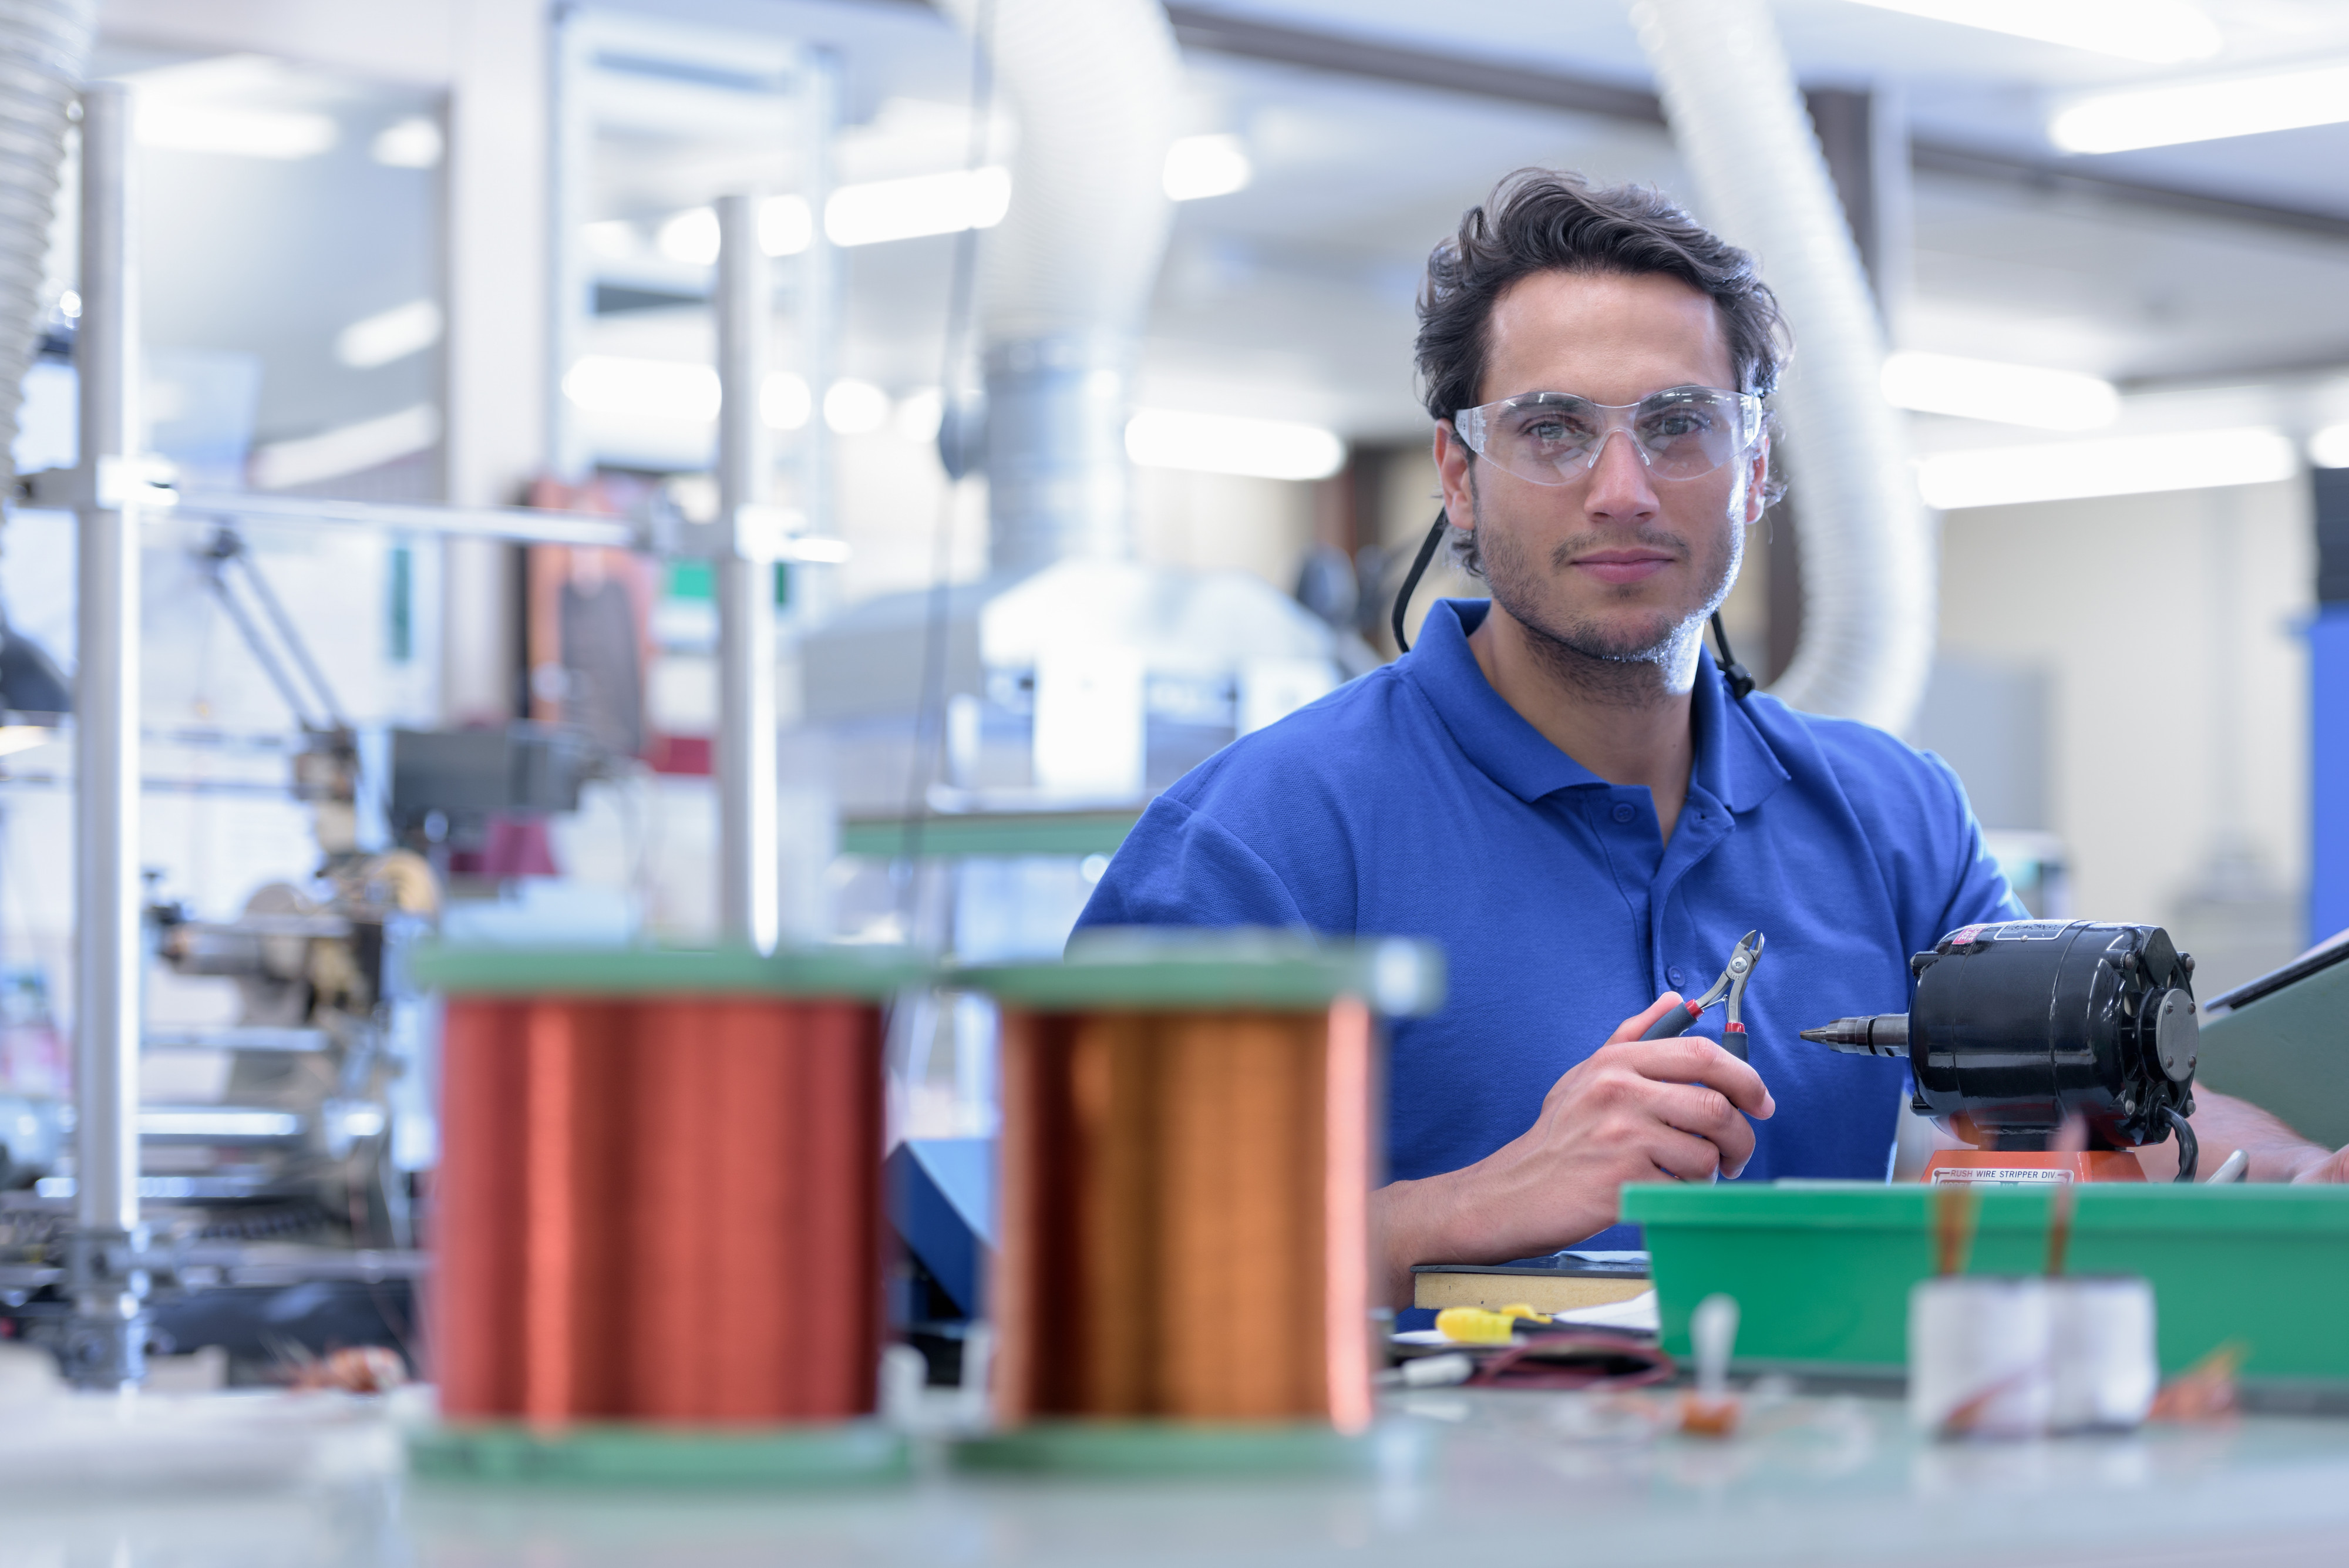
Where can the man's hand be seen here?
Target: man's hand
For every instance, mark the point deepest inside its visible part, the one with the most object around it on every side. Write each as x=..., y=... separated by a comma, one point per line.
x=1637, y=1110
x=2334, y=1167
x=2223, y=1124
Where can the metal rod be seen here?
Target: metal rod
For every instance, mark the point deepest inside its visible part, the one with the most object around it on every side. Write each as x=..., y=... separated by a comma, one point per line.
x=749, y=855
x=107, y=1342
x=523, y=525
x=817, y=307
x=291, y=639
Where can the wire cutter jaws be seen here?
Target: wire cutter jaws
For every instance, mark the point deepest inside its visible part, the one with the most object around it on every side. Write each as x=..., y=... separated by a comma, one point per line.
x=1731, y=985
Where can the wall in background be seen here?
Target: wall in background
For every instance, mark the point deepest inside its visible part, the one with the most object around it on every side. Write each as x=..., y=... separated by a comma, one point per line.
x=2167, y=627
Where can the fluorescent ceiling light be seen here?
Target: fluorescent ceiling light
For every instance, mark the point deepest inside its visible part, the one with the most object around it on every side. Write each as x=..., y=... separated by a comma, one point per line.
x=412, y=143
x=867, y=214
x=2159, y=32
x=15, y=738
x=349, y=449
x=1199, y=166
x=2202, y=110
x=613, y=238
x=925, y=205
x=785, y=226
x=2008, y=394
x=784, y=403
x=183, y=127
x=690, y=238
x=2329, y=448
x=643, y=388
x=1222, y=444
x=2129, y=465
x=919, y=415
x=389, y=335
x=855, y=408
x=674, y=390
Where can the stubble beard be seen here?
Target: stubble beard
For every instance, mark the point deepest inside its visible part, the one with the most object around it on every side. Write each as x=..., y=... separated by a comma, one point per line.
x=1628, y=666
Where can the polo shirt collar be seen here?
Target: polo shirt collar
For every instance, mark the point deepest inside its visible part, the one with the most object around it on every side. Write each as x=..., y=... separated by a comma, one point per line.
x=1733, y=763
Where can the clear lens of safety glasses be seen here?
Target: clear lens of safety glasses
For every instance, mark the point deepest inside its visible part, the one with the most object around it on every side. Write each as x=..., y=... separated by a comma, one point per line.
x=1555, y=438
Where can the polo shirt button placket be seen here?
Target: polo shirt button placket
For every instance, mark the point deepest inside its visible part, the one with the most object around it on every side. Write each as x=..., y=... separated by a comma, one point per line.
x=1625, y=811
x=1676, y=979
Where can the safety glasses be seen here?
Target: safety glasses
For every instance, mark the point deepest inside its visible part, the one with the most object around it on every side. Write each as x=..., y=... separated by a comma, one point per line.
x=1555, y=438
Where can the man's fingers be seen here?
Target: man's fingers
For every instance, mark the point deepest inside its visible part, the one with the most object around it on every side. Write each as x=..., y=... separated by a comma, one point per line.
x=1692, y=1059
x=1704, y=1113
x=2336, y=1168
x=1683, y=1158
x=1631, y=1028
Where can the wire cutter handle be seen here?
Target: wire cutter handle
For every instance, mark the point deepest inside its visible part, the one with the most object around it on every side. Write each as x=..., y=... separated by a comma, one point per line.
x=1731, y=985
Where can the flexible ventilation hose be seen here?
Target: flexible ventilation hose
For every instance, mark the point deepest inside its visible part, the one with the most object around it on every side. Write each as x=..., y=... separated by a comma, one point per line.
x=1869, y=546
x=43, y=46
x=1066, y=277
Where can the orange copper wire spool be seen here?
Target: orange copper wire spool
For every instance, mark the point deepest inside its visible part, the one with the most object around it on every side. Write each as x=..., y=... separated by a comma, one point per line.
x=663, y=1206
x=1185, y=1184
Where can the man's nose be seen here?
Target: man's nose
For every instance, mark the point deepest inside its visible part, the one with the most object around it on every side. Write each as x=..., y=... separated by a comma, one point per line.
x=1619, y=487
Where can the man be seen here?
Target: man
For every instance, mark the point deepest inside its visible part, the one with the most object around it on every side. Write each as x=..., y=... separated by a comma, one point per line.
x=1559, y=787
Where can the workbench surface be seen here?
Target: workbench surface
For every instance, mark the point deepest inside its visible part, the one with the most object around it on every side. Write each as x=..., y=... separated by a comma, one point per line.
x=1471, y=1477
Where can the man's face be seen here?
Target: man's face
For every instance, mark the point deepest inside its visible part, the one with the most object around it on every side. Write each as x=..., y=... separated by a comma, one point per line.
x=1615, y=563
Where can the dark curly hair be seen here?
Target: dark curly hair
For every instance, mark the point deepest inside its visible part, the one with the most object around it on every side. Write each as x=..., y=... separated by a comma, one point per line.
x=1545, y=220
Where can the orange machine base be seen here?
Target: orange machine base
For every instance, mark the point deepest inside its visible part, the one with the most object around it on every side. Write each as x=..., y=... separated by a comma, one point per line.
x=1988, y=1167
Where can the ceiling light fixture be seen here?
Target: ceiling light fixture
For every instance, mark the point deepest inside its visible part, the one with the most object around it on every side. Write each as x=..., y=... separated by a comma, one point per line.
x=2329, y=448
x=2207, y=110
x=2129, y=465
x=908, y=209
x=1199, y=166
x=2007, y=394
x=180, y=126
x=855, y=408
x=412, y=143
x=389, y=335
x=2158, y=32
x=1224, y=444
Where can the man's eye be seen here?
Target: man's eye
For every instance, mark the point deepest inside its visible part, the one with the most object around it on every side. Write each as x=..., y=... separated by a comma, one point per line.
x=1678, y=422
x=1553, y=431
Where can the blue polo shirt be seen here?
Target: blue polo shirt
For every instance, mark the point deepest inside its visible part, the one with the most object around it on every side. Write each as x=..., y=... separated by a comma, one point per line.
x=1415, y=801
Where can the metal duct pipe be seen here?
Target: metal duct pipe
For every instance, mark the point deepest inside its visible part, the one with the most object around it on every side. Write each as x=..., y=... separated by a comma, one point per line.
x=1067, y=277
x=1869, y=546
x=108, y=1279
x=43, y=46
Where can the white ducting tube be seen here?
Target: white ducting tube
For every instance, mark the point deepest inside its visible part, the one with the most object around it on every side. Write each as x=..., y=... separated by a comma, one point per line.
x=1870, y=548
x=43, y=46
x=1066, y=277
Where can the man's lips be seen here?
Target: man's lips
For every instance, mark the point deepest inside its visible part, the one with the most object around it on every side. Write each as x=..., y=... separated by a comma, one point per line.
x=1619, y=566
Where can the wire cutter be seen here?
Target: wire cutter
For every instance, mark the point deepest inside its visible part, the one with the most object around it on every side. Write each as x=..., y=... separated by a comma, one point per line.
x=1732, y=984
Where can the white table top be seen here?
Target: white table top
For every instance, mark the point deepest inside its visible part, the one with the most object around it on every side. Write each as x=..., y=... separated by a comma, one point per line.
x=1501, y=1477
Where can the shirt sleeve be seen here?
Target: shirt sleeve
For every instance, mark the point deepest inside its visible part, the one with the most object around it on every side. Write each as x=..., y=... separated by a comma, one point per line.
x=1178, y=867
x=1978, y=890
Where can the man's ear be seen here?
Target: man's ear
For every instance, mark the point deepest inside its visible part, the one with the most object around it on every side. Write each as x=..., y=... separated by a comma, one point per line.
x=1454, y=462
x=1757, y=482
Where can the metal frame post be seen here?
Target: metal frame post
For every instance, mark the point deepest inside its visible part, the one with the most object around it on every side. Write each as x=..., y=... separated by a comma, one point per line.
x=108, y=1282
x=817, y=309
x=748, y=853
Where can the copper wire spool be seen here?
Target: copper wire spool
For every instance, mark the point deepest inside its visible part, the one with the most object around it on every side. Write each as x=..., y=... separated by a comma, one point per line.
x=662, y=1209
x=1184, y=1230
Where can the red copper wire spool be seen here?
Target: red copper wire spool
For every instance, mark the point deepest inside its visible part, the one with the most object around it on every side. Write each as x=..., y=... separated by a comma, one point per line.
x=1185, y=1215
x=662, y=1207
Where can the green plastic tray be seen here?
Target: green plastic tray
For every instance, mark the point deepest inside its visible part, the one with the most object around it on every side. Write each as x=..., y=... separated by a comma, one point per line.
x=1821, y=1272
x=1134, y=1449
x=623, y=1454
x=843, y=970
x=1223, y=969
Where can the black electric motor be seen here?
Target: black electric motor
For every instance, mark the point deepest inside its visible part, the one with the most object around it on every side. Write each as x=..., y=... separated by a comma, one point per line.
x=2018, y=1026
